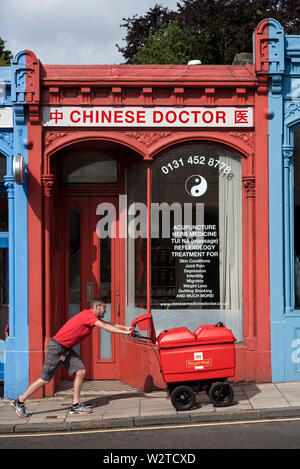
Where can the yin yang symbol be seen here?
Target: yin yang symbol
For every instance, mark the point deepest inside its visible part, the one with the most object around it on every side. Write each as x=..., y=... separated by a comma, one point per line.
x=196, y=185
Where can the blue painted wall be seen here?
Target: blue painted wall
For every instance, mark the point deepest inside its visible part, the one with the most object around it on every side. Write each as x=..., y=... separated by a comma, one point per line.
x=15, y=349
x=284, y=111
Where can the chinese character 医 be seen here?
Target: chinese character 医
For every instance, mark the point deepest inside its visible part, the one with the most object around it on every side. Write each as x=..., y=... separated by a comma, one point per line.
x=241, y=117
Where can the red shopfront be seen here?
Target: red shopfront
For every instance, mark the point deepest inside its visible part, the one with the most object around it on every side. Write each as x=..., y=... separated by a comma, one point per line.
x=109, y=143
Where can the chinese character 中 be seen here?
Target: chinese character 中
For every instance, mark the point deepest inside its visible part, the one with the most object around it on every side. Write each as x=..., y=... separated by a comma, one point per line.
x=56, y=116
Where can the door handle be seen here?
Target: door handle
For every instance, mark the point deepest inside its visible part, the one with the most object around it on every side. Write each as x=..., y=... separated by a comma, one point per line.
x=118, y=310
x=89, y=291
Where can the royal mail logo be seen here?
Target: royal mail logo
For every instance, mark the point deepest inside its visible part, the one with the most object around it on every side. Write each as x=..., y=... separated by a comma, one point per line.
x=192, y=363
x=199, y=362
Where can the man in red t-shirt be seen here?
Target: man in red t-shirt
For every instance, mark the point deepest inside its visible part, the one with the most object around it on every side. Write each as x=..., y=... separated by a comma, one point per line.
x=60, y=352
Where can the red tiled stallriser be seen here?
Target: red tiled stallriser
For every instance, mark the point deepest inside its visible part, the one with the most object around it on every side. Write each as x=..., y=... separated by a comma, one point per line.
x=91, y=387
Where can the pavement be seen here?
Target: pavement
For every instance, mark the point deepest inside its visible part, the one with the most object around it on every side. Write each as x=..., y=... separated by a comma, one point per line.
x=125, y=407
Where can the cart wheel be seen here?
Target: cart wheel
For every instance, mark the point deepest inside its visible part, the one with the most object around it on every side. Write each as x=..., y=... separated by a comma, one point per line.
x=183, y=398
x=221, y=394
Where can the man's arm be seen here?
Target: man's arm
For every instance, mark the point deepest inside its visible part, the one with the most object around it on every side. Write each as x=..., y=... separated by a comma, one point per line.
x=123, y=328
x=116, y=328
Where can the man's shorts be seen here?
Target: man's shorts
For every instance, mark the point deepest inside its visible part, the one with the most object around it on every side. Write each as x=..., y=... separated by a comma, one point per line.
x=57, y=355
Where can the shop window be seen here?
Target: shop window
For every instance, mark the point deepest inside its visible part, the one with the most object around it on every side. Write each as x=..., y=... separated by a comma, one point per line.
x=297, y=216
x=196, y=239
x=137, y=242
x=89, y=167
x=74, y=264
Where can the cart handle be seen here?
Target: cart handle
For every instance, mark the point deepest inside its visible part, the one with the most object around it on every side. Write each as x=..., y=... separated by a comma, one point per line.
x=138, y=335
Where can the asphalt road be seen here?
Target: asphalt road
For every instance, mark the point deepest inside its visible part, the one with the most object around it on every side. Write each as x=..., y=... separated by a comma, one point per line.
x=261, y=434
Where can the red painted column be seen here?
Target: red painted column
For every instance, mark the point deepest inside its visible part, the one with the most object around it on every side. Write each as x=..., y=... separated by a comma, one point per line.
x=48, y=184
x=35, y=253
x=249, y=327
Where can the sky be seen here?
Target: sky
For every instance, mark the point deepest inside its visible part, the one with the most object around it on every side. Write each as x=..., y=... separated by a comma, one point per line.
x=70, y=31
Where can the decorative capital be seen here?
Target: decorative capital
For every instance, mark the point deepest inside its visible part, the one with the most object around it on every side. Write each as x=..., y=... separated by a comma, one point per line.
x=249, y=185
x=287, y=153
x=10, y=186
x=48, y=185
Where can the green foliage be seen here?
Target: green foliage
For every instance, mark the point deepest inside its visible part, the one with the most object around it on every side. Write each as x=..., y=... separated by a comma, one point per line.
x=138, y=29
x=5, y=55
x=171, y=44
x=210, y=30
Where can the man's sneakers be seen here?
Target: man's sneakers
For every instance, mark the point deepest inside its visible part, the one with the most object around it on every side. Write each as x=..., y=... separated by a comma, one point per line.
x=20, y=408
x=75, y=409
x=80, y=409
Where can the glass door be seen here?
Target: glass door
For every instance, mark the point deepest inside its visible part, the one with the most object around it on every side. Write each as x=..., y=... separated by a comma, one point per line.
x=105, y=283
x=92, y=268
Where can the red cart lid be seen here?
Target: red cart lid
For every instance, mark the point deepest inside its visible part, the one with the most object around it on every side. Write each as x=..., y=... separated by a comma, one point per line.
x=214, y=334
x=206, y=334
x=176, y=337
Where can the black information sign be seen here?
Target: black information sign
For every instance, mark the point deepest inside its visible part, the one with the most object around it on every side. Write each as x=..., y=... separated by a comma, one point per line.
x=186, y=251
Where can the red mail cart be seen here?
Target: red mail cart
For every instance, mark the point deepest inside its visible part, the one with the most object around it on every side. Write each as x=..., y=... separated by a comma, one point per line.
x=191, y=362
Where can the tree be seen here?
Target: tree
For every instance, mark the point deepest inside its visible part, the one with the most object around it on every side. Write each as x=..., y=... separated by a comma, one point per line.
x=171, y=44
x=5, y=55
x=216, y=29
x=138, y=29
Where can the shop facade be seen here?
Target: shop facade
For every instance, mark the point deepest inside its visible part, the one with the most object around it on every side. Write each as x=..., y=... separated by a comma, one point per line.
x=147, y=186
x=284, y=149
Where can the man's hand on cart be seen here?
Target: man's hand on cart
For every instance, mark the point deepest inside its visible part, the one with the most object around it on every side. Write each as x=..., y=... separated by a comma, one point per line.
x=128, y=329
x=136, y=334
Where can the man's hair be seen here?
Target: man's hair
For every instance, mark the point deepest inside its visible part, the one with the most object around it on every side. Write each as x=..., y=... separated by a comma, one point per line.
x=98, y=301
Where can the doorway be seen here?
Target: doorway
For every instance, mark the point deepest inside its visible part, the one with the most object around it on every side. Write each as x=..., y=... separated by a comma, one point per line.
x=92, y=269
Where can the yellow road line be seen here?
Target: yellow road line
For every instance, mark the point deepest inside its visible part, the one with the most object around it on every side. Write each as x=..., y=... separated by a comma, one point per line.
x=157, y=427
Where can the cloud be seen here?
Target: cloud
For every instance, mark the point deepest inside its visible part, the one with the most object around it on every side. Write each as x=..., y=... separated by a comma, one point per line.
x=70, y=31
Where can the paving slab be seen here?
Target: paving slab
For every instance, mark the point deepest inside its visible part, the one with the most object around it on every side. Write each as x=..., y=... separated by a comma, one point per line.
x=289, y=385
x=112, y=413
x=136, y=408
x=268, y=403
